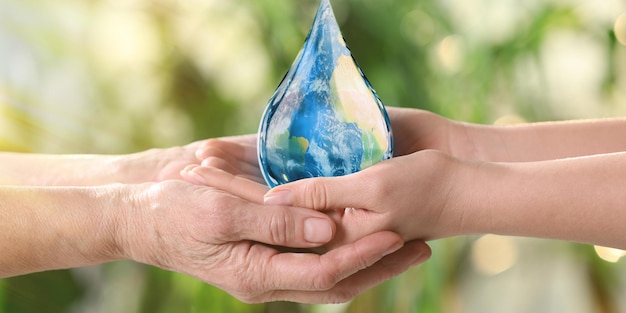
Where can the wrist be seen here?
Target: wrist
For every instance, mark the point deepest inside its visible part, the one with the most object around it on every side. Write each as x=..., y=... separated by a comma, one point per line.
x=93, y=221
x=477, y=142
x=119, y=205
x=128, y=220
x=137, y=223
x=140, y=167
x=447, y=196
x=475, y=187
x=48, y=228
x=132, y=168
x=152, y=165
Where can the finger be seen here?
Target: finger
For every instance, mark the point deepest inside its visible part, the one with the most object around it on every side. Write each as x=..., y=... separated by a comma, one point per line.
x=411, y=254
x=227, y=165
x=325, y=271
x=274, y=225
x=324, y=193
x=310, y=272
x=234, y=157
x=227, y=149
x=248, y=139
x=234, y=166
x=239, y=186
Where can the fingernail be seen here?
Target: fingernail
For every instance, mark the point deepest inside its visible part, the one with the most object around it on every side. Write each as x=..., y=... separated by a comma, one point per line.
x=194, y=176
x=317, y=230
x=281, y=197
x=394, y=248
x=188, y=168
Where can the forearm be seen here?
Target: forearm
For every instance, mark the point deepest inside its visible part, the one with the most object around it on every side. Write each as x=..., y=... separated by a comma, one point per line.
x=542, y=141
x=22, y=169
x=57, y=227
x=577, y=199
x=29, y=169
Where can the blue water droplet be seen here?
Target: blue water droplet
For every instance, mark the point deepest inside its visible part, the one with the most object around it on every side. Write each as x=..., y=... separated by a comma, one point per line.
x=324, y=118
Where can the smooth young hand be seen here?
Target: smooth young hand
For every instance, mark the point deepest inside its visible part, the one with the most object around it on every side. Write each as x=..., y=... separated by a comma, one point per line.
x=429, y=195
x=416, y=130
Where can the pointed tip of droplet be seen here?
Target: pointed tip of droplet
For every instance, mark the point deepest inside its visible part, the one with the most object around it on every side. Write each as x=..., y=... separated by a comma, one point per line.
x=324, y=3
x=325, y=25
x=325, y=14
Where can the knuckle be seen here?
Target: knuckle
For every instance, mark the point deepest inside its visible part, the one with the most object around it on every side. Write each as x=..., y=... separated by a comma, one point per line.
x=223, y=223
x=213, y=147
x=212, y=143
x=434, y=157
x=316, y=195
x=213, y=161
x=280, y=227
x=361, y=260
x=205, y=148
x=325, y=281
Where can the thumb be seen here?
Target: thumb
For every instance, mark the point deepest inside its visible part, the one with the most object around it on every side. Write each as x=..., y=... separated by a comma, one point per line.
x=323, y=193
x=281, y=226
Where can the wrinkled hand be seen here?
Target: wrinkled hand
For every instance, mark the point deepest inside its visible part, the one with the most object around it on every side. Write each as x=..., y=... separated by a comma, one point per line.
x=229, y=164
x=158, y=164
x=225, y=241
x=161, y=164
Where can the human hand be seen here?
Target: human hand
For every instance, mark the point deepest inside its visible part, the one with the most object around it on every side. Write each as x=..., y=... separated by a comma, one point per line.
x=152, y=165
x=410, y=195
x=415, y=130
x=219, y=238
x=386, y=194
x=160, y=164
x=235, y=155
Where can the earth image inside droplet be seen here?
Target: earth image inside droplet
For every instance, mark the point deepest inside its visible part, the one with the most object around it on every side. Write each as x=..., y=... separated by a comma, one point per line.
x=324, y=118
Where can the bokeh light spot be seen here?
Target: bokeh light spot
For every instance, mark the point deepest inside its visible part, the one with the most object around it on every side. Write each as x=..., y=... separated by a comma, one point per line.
x=450, y=53
x=609, y=254
x=492, y=254
x=620, y=29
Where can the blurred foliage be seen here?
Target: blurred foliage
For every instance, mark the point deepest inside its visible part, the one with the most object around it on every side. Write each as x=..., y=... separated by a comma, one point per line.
x=115, y=76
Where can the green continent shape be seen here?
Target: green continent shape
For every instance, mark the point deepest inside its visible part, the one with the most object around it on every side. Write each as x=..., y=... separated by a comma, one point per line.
x=372, y=152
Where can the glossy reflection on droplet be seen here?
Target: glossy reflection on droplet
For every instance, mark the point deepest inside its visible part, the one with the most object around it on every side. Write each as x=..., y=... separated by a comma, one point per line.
x=324, y=118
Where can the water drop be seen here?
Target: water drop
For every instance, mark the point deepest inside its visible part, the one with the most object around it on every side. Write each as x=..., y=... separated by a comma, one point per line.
x=324, y=118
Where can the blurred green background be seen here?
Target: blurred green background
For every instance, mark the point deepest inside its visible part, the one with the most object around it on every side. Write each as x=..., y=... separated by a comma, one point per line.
x=118, y=76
